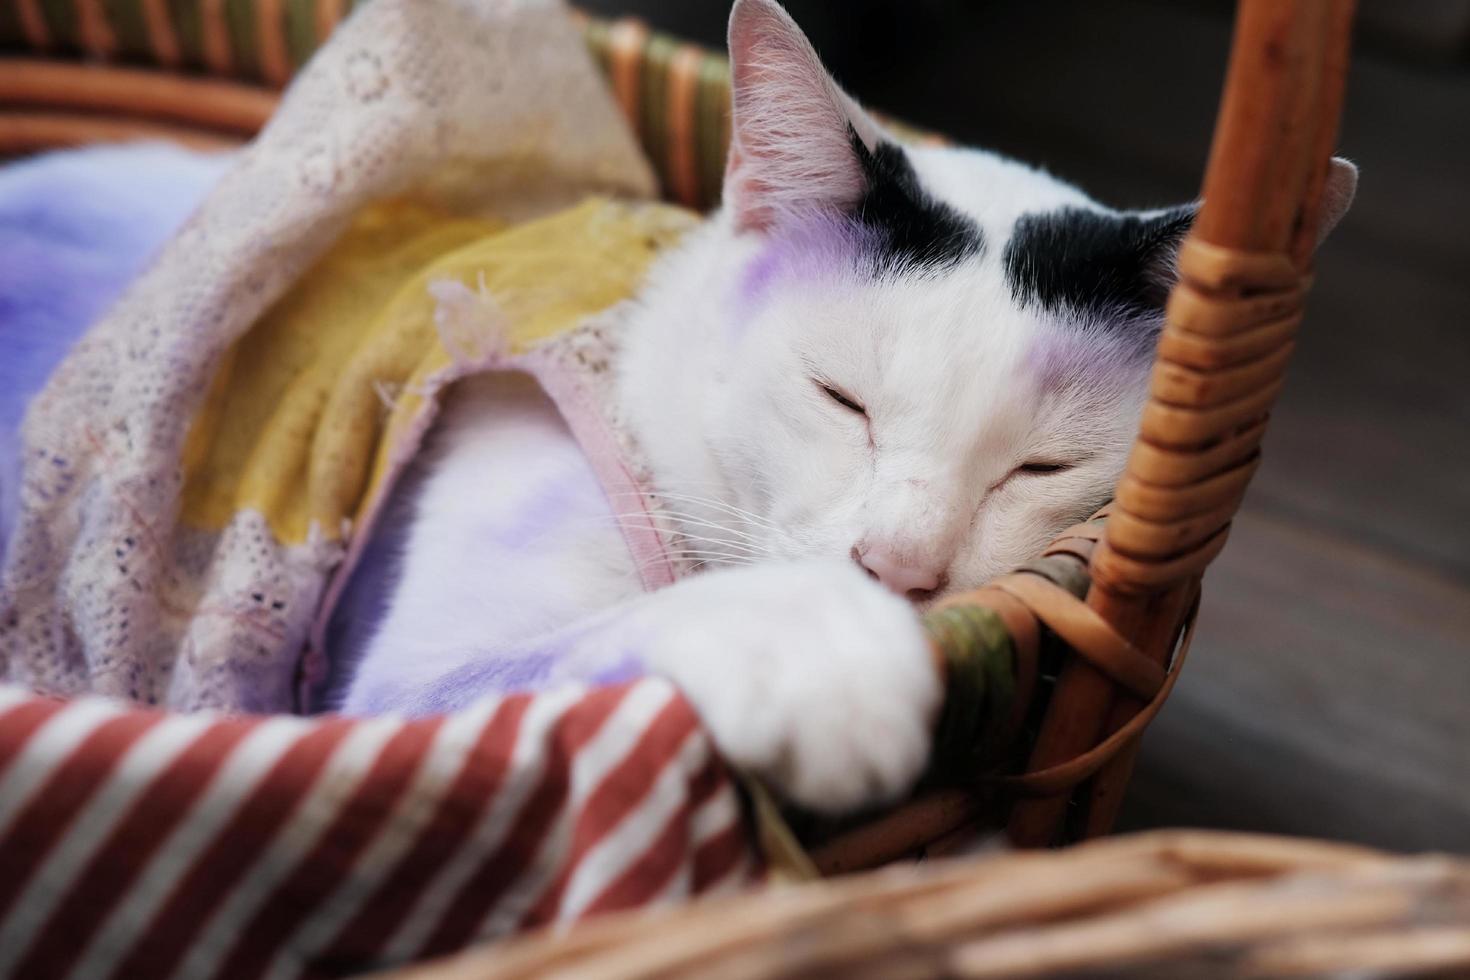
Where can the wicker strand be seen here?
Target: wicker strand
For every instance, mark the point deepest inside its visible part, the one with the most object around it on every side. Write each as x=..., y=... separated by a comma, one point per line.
x=29, y=132
x=212, y=105
x=1171, y=904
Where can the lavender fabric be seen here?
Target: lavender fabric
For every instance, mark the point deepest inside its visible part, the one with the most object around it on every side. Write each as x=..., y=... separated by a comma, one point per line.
x=75, y=228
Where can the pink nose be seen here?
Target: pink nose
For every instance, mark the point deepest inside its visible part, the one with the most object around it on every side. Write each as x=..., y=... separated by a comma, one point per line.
x=906, y=579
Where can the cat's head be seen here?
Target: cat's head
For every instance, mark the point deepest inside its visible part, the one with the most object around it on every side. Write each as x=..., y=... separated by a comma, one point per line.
x=929, y=359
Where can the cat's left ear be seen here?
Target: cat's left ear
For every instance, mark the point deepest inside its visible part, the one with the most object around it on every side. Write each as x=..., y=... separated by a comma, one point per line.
x=1164, y=232
x=1337, y=195
x=792, y=129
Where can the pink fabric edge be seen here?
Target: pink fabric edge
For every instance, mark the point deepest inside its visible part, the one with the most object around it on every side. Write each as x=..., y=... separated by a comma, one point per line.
x=588, y=426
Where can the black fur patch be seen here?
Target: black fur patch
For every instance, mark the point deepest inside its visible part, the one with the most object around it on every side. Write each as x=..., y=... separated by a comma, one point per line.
x=913, y=229
x=1087, y=262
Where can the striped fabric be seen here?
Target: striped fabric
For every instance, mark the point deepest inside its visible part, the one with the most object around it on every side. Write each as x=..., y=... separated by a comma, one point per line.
x=142, y=844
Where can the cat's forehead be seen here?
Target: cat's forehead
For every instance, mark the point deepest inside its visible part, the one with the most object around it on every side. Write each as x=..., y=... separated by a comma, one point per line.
x=942, y=339
x=1060, y=249
x=993, y=191
x=960, y=272
x=946, y=355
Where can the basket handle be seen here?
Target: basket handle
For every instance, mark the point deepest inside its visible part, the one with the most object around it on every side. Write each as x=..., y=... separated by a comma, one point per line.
x=1228, y=334
x=1231, y=318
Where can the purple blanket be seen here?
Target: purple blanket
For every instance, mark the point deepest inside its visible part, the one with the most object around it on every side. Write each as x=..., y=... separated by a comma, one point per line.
x=75, y=228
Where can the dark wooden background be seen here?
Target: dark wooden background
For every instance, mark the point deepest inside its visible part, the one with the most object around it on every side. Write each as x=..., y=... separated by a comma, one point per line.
x=1329, y=690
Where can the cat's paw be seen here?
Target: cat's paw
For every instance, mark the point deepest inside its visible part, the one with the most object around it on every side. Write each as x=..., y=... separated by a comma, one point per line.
x=808, y=674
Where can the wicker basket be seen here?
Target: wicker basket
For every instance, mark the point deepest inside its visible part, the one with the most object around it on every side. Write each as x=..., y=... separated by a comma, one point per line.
x=1104, y=610
x=1167, y=905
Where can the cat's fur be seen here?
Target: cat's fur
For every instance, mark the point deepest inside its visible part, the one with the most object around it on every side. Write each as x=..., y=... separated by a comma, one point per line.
x=994, y=326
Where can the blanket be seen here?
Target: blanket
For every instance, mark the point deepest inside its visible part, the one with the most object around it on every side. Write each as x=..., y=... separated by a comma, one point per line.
x=130, y=572
x=75, y=228
x=139, y=843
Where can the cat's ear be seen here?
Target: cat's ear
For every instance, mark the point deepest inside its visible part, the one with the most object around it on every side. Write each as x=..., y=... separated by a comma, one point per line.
x=1156, y=240
x=1163, y=232
x=792, y=128
x=1337, y=195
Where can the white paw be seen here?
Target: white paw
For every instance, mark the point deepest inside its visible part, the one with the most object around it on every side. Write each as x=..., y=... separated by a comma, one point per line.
x=808, y=674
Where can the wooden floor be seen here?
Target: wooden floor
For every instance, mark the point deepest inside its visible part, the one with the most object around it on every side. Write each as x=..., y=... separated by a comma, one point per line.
x=1329, y=690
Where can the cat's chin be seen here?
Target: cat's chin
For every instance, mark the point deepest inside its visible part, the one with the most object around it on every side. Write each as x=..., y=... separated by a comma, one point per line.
x=928, y=603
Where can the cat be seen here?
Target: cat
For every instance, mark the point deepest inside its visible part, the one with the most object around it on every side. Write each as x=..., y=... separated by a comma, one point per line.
x=877, y=376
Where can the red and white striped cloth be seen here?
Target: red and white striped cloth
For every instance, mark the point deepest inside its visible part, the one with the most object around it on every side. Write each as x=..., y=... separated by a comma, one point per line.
x=142, y=844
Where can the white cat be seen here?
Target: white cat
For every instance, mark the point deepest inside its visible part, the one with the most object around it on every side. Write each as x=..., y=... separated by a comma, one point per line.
x=877, y=376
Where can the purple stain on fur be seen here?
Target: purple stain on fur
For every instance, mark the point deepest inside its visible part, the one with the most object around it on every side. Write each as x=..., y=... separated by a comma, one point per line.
x=811, y=248
x=1070, y=358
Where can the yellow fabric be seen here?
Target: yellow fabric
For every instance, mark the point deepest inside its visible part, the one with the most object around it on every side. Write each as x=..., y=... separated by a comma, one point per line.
x=303, y=419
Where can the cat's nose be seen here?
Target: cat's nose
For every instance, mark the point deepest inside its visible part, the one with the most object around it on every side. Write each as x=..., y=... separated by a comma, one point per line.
x=910, y=580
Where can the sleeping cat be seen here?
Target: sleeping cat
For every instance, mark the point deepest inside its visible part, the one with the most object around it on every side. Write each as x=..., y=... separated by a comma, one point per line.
x=877, y=376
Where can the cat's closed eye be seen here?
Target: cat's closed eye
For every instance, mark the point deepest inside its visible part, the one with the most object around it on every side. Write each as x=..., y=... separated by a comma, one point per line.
x=1031, y=470
x=1038, y=467
x=842, y=399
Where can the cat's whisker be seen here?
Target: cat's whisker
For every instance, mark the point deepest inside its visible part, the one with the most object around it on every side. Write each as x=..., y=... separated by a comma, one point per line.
x=689, y=519
x=745, y=542
x=718, y=534
x=639, y=518
x=716, y=543
x=665, y=497
x=695, y=521
x=693, y=532
x=722, y=536
x=729, y=517
x=701, y=553
x=720, y=546
x=746, y=516
x=700, y=559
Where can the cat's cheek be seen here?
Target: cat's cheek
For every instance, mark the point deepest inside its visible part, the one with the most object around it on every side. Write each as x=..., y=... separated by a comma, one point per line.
x=995, y=543
x=1020, y=520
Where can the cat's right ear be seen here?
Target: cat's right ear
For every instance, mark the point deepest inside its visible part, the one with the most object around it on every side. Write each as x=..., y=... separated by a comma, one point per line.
x=792, y=128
